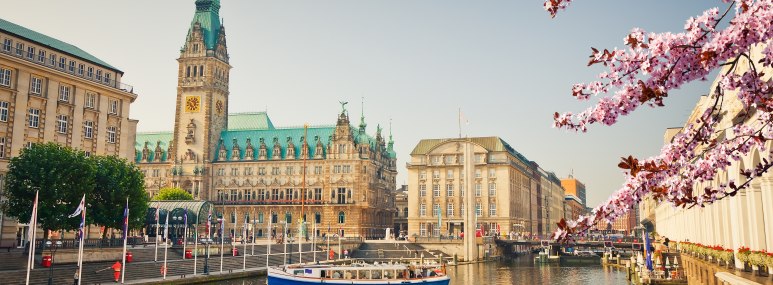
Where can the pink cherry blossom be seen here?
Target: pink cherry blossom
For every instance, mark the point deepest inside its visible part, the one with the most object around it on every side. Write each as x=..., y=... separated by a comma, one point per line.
x=734, y=40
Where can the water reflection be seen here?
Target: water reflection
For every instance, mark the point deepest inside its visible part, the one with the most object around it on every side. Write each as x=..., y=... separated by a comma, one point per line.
x=523, y=271
x=519, y=271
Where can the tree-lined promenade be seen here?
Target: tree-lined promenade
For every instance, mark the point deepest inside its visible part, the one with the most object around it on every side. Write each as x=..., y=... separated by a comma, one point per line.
x=62, y=176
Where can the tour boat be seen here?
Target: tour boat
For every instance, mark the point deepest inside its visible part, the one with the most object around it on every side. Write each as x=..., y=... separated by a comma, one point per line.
x=370, y=274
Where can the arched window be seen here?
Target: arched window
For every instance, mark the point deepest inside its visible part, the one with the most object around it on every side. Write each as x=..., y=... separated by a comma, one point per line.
x=341, y=217
x=274, y=218
x=260, y=217
x=288, y=218
x=317, y=218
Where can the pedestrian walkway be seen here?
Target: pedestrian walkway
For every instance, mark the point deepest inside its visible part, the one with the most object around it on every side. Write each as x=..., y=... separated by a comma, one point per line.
x=143, y=269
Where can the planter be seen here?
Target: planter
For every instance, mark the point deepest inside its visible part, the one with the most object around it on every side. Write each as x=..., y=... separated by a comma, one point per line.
x=761, y=271
x=747, y=267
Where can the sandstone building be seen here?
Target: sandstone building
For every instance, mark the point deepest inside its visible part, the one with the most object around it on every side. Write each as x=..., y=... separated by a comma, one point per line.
x=52, y=91
x=251, y=169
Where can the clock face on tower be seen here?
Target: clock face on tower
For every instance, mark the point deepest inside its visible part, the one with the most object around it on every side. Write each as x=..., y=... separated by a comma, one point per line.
x=219, y=107
x=192, y=104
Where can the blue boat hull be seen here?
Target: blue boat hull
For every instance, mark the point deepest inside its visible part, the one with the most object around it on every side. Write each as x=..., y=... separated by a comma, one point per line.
x=272, y=280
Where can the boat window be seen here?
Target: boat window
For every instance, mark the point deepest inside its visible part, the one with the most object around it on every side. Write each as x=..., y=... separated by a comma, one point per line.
x=376, y=274
x=364, y=274
x=298, y=272
x=388, y=274
x=337, y=274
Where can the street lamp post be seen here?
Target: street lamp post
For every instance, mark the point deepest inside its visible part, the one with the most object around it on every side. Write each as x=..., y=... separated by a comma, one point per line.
x=208, y=241
x=176, y=220
x=52, y=247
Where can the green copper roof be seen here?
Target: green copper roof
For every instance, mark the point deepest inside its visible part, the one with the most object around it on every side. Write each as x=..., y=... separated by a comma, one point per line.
x=323, y=133
x=489, y=143
x=208, y=16
x=53, y=43
x=152, y=139
x=249, y=121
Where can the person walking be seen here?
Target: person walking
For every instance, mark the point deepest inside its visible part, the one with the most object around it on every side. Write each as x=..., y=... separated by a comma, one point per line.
x=75, y=278
x=116, y=270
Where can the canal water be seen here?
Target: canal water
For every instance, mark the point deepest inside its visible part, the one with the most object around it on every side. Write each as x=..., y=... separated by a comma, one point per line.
x=519, y=271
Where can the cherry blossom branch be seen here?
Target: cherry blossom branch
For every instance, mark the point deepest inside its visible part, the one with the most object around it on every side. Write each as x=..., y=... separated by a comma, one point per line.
x=647, y=70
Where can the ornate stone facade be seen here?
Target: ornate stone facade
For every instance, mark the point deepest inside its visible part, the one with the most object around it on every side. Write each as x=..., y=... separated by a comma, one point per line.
x=252, y=170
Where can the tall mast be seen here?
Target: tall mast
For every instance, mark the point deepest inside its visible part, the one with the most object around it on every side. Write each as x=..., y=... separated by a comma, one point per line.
x=305, y=153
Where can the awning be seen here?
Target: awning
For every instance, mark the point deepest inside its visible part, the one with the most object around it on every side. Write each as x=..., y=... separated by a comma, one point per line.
x=197, y=212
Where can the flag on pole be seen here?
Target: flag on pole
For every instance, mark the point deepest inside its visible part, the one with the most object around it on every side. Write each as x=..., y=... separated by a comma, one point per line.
x=125, y=238
x=33, y=219
x=31, y=237
x=157, y=211
x=209, y=219
x=166, y=228
x=126, y=220
x=79, y=209
x=185, y=217
x=647, y=253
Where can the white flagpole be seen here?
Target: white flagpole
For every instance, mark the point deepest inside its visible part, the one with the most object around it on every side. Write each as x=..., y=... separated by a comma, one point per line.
x=185, y=234
x=158, y=218
x=80, y=247
x=327, y=237
x=268, y=237
x=244, y=254
x=253, y=234
x=31, y=235
x=195, y=244
x=125, y=237
x=222, y=240
x=284, y=240
x=314, y=242
x=166, y=244
x=340, y=236
x=300, y=241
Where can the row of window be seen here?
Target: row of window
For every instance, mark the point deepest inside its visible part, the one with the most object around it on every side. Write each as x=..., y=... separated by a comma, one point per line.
x=492, y=190
x=340, y=195
x=450, y=174
x=62, y=63
x=288, y=170
x=61, y=123
x=492, y=210
x=65, y=91
x=453, y=159
x=288, y=218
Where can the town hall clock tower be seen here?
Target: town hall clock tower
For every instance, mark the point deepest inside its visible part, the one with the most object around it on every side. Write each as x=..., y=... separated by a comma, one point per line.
x=202, y=99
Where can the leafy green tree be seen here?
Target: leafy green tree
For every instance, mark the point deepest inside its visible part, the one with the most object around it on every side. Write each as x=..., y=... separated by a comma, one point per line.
x=172, y=193
x=117, y=180
x=61, y=174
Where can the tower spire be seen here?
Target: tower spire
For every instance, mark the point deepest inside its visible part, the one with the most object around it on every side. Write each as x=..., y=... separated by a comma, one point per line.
x=363, y=125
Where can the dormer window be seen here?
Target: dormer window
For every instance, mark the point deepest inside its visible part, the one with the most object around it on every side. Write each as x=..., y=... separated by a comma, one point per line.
x=195, y=47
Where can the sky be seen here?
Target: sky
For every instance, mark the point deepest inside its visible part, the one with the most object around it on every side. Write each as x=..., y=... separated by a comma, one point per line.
x=506, y=64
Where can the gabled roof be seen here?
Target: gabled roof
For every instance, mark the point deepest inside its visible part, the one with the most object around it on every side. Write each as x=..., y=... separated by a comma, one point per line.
x=52, y=43
x=323, y=133
x=152, y=139
x=249, y=121
x=494, y=144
